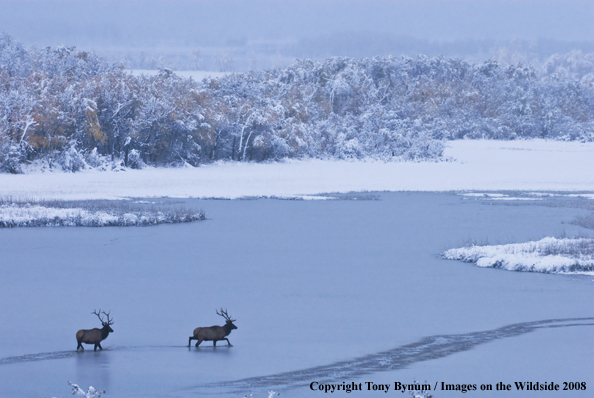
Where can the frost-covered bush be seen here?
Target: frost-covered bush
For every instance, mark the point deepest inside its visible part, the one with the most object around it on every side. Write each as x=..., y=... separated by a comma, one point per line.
x=74, y=110
x=96, y=160
x=11, y=157
x=71, y=160
x=92, y=392
x=135, y=160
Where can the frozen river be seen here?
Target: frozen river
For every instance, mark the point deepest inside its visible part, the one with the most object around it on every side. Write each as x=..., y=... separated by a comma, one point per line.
x=323, y=291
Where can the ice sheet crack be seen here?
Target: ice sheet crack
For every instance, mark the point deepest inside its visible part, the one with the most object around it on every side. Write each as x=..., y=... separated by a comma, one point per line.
x=427, y=348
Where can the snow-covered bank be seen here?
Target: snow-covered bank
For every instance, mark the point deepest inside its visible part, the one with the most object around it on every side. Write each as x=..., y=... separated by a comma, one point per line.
x=548, y=255
x=14, y=215
x=477, y=165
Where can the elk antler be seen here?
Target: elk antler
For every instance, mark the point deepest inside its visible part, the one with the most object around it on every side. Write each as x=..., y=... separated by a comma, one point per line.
x=98, y=314
x=109, y=321
x=224, y=314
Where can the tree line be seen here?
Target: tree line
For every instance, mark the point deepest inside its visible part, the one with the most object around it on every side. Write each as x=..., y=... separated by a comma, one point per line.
x=69, y=109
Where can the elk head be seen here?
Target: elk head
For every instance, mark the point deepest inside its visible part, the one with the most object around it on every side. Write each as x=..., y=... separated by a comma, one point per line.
x=228, y=320
x=106, y=325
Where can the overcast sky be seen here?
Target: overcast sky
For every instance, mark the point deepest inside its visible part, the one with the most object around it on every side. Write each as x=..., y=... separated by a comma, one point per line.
x=207, y=22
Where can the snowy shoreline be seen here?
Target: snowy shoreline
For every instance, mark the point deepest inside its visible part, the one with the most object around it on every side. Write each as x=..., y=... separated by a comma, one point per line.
x=548, y=255
x=488, y=165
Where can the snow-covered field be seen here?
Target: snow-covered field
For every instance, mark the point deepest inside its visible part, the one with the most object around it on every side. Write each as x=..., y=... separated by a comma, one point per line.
x=475, y=165
x=549, y=255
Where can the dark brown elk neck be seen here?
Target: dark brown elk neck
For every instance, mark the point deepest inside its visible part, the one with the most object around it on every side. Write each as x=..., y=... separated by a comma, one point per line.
x=227, y=328
x=104, y=332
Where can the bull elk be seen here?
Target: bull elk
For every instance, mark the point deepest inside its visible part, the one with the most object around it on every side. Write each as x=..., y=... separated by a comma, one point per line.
x=214, y=333
x=96, y=335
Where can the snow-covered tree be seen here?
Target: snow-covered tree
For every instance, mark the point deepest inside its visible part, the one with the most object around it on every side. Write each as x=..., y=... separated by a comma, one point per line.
x=73, y=110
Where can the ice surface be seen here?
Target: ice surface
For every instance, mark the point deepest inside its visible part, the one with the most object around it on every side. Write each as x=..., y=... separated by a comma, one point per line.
x=312, y=284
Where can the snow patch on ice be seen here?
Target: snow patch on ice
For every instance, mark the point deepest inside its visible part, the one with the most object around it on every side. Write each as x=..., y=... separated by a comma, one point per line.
x=542, y=194
x=14, y=215
x=484, y=195
x=514, y=198
x=548, y=255
x=582, y=195
x=495, y=196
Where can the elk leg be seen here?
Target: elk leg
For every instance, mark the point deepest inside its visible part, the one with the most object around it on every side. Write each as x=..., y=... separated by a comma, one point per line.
x=198, y=342
x=214, y=343
x=80, y=346
x=190, y=341
x=229, y=343
x=99, y=345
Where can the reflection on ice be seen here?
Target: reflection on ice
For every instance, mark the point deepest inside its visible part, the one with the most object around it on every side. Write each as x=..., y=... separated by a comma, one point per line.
x=37, y=357
x=94, y=367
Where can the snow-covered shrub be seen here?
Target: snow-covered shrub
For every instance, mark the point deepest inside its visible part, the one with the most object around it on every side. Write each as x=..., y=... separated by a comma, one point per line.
x=94, y=159
x=92, y=392
x=11, y=157
x=347, y=148
x=71, y=160
x=134, y=159
x=422, y=149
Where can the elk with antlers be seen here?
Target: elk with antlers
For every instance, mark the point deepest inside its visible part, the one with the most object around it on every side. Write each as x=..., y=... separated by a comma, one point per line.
x=214, y=333
x=95, y=336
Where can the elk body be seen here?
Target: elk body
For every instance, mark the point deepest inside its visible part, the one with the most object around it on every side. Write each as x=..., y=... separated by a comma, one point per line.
x=95, y=336
x=214, y=333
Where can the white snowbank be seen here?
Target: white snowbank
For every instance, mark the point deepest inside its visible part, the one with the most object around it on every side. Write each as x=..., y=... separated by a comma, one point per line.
x=496, y=196
x=549, y=255
x=583, y=195
x=41, y=216
x=533, y=165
